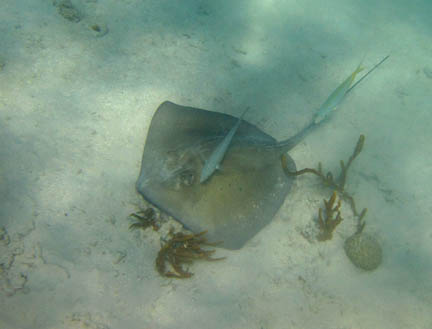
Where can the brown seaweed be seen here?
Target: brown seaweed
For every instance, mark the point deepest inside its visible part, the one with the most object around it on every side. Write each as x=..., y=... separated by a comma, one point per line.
x=328, y=179
x=332, y=218
x=146, y=218
x=360, y=221
x=183, y=249
x=336, y=184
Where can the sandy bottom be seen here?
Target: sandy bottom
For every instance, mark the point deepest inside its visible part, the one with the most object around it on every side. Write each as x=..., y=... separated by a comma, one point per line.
x=79, y=84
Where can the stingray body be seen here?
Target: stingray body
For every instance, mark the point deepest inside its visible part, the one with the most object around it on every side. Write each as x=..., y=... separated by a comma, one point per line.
x=236, y=202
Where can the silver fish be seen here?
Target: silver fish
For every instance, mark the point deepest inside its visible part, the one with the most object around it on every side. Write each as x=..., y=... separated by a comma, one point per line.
x=216, y=157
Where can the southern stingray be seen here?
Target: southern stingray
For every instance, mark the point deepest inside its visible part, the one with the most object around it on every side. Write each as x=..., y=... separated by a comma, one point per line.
x=237, y=201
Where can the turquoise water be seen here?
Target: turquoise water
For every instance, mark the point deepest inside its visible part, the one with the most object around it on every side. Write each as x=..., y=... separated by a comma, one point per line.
x=79, y=84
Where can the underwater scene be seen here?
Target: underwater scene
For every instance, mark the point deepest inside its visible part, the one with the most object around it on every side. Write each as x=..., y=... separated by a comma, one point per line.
x=215, y=164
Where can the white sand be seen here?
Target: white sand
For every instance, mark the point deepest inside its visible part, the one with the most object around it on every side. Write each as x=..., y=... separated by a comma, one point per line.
x=75, y=108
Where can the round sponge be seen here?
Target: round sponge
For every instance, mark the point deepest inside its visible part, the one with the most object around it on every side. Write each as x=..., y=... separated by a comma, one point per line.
x=364, y=251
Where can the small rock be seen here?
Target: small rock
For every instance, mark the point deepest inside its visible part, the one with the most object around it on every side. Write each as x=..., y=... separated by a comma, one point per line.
x=119, y=256
x=4, y=237
x=99, y=29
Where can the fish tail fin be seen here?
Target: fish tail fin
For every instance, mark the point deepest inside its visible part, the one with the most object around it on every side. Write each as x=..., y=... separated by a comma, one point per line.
x=360, y=67
x=362, y=60
x=356, y=71
x=368, y=72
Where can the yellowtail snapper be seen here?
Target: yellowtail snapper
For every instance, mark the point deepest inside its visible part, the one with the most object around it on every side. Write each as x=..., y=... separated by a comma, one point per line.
x=338, y=95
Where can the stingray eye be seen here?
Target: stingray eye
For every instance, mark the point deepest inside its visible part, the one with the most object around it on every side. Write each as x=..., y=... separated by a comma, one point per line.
x=180, y=169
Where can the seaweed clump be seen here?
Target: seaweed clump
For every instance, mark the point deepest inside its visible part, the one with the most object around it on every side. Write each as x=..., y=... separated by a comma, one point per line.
x=183, y=249
x=68, y=10
x=328, y=224
x=145, y=218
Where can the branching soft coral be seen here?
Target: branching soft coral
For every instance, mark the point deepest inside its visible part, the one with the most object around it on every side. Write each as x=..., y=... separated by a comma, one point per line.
x=332, y=218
